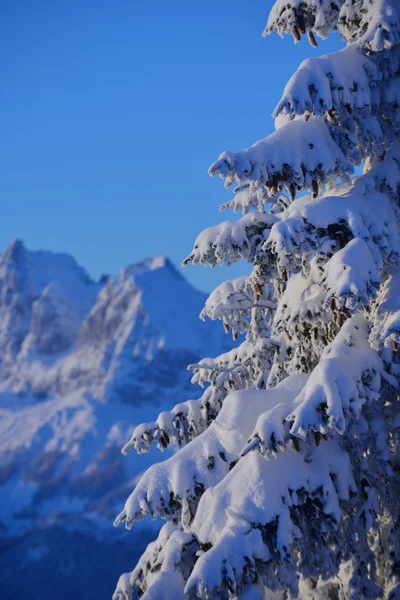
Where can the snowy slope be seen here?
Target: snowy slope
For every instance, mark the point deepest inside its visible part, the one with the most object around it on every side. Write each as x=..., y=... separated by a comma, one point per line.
x=82, y=363
x=43, y=299
x=62, y=332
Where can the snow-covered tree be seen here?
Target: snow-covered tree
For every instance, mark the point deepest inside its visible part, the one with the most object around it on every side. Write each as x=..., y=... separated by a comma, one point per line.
x=286, y=475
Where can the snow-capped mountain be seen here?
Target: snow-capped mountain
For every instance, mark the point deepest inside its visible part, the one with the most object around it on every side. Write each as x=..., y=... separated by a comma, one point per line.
x=82, y=363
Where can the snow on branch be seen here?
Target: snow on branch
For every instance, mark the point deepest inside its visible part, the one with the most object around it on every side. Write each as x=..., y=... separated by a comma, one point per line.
x=372, y=23
x=350, y=277
x=303, y=319
x=237, y=369
x=243, y=366
x=246, y=199
x=124, y=589
x=299, y=17
x=388, y=62
x=386, y=315
x=368, y=130
x=298, y=155
x=231, y=241
x=234, y=558
x=348, y=376
x=260, y=496
x=384, y=176
x=178, y=426
x=302, y=300
x=168, y=585
x=158, y=574
x=391, y=101
x=327, y=224
x=345, y=79
x=271, y=431
x=232, y=302
x=171, y=489
x=152, y=557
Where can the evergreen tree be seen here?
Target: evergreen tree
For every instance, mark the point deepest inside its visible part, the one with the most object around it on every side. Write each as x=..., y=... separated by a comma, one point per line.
x=286, y=477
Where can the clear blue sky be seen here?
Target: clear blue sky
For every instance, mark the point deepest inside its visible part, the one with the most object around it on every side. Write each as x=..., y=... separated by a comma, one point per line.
x=111, y=112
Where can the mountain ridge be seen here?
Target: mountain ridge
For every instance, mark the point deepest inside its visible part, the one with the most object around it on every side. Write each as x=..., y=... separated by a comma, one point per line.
x=81, y=364
x=60, y=330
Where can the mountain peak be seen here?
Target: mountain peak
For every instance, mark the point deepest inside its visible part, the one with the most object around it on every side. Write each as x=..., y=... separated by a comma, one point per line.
x=156, y=262
x=15, y=243
x=14, y=250
x=153, y=263
x=75, y=358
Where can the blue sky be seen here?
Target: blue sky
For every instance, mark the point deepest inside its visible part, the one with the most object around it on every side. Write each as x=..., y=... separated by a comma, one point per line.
x=111, y=112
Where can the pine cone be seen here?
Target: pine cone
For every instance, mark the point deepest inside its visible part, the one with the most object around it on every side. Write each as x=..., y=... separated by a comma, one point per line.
x=296, y=34
x=331, y=116
x=312, y=40
x=257, y=291
x=164, y=439
x=296, y=443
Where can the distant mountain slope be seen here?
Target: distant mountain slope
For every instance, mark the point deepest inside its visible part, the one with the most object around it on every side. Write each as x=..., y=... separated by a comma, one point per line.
x=81, y=363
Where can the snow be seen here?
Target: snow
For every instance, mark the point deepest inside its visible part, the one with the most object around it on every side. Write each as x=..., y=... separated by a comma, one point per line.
x=237, y=541
x=248, y=354
x=297, y=153
x=231, y=240
x=124, y=590
x=62, y=445
x=246, y=199
x=227, y=512
x=376, y=20
x=351, y=276
x=302, y=299
x=329, y=82
x=373, y=23
x=44, y=298
x=386, y=329
x=392, y=97
x=39, y=268
x=271, y=432
x=169, y=586
x=285, y=478
x=66, y=401
x=286, y=474
x=385, y=176
x=347, y=376
x=232, y=301
x=68, y=333
x=368, y=215
x=156, y=572
x=173, y=426
x=320, y=15
x=203, y=462
x=245, y=366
